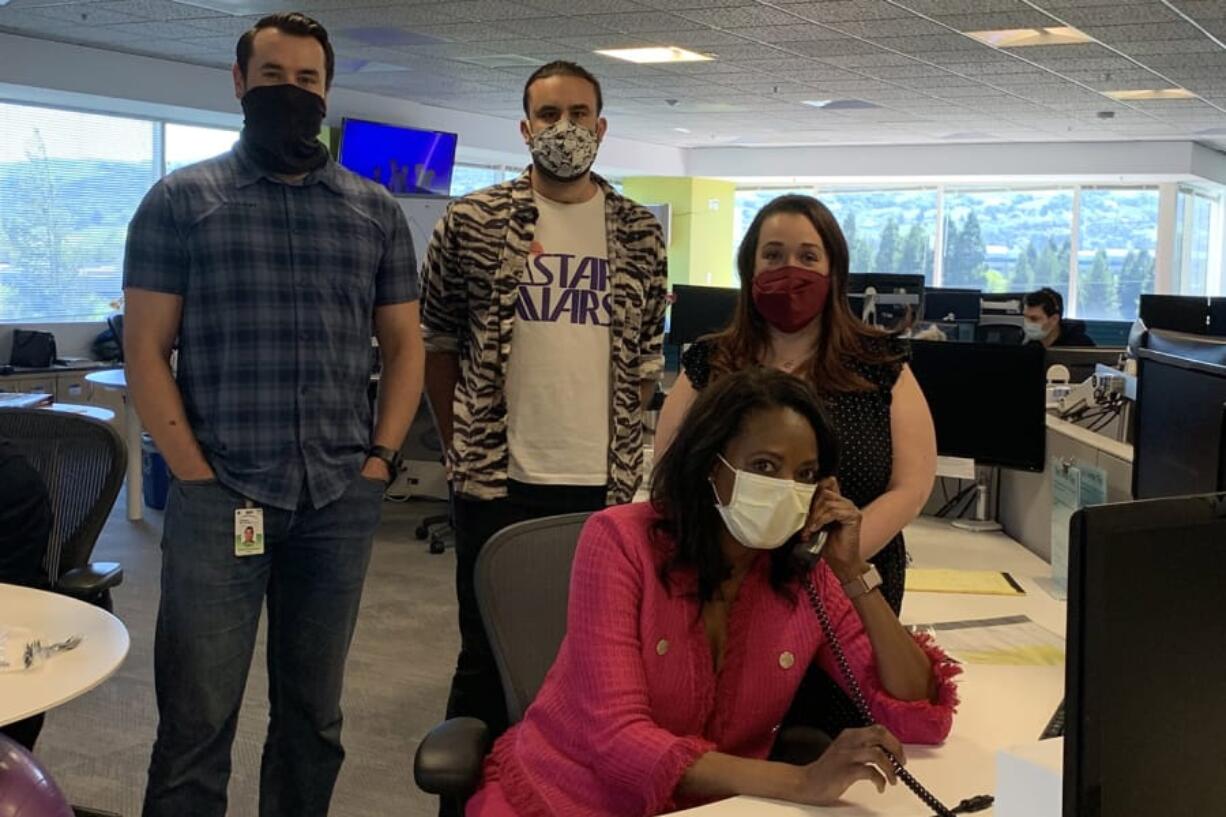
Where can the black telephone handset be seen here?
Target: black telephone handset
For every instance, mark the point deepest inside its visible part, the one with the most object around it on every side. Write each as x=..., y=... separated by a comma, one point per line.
x=809, y=551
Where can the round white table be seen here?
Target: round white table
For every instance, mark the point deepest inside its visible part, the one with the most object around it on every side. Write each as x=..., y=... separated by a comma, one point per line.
x=114, y=380
x=62, y=677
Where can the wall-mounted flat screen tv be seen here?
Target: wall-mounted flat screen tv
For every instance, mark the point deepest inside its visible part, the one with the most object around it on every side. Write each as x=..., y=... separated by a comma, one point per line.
x=407, y=161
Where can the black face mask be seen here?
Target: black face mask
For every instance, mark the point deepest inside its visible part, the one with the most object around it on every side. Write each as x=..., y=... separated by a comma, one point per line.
x=281, y=128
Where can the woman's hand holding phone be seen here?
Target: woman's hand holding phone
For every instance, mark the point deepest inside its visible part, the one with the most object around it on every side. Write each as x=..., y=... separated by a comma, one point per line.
x=840, y=518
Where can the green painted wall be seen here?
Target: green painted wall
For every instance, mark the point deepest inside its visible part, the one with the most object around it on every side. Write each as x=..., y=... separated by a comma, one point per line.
x=700, y=241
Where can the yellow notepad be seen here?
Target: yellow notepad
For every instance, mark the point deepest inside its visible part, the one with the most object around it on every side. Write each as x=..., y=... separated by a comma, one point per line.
x=978, y=582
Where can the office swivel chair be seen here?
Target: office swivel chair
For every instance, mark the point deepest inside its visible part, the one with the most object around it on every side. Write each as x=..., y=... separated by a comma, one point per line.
x=81, y=461
x=522, y=585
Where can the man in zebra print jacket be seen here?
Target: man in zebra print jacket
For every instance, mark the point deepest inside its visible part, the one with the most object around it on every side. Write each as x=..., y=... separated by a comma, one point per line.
x=543, y=314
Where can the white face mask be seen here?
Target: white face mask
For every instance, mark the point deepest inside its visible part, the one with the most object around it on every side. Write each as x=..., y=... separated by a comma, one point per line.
x=1034, y=330
x=764, y=512
x=565, y=150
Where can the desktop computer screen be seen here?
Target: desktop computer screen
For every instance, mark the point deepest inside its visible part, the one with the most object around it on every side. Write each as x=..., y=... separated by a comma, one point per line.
x=1081, y=362
x=952, y=305
x=1145, y=670
x=988, y=401
x=889, y=300
x=1178, y=313
x=1178, y=435
x=697, y=311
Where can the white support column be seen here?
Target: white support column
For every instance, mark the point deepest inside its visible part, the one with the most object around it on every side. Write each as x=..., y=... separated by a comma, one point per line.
x=938, y=240
x=1164, y=253
x=1074, y=260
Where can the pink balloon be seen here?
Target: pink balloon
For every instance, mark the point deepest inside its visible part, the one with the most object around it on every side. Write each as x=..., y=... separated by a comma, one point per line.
x=26, y=789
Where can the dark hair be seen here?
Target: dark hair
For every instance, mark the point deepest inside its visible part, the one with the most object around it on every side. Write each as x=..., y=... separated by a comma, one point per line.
x=562, y=68
x=1052, y=302
x=292, y=22
x=681, y=488
x=744, y=342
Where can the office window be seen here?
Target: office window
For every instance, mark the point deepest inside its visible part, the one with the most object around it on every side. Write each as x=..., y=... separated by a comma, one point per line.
x=747, y=204
x=69, y=183
x=467, y=178
x=887, y=230
x=1007, y=240
x=188, y=144
x=1118, y=238
x=1198, y=241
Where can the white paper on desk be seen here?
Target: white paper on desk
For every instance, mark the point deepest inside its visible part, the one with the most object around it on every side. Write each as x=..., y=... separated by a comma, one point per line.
x=1011, y=640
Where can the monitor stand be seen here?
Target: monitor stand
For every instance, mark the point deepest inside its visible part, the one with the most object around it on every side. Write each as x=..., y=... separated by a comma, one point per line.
x=980, y=523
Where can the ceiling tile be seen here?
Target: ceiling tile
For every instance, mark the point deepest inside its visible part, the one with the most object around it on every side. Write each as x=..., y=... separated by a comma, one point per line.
x=1144, y=32
x=842, y=11
x=801, y=32
x=1130, y=14
x=1022, y=17
x=494, y=10
x=740, y=17
x=86, y=14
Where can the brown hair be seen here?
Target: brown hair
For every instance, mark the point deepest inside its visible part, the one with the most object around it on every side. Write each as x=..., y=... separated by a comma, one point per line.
x=296, y=24
x=563, y=68
x=843, y=335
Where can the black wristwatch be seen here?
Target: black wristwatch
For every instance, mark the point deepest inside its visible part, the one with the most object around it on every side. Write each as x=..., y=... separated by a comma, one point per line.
x=390, y=456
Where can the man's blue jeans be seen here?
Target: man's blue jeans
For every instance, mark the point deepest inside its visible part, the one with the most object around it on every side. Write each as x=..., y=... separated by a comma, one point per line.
x=311, y=574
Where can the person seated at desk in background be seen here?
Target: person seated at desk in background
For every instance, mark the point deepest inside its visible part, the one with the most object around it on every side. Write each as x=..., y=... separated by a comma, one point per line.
x=690, y=625
x=1043, y=312
x=25, y=529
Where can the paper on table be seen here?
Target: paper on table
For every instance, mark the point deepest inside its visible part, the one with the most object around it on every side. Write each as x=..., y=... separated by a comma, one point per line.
x=979, y=582
x=1013, y=640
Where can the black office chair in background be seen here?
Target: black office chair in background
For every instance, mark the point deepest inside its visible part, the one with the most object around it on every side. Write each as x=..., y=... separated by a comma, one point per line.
x=523, y=585
x=81, y=461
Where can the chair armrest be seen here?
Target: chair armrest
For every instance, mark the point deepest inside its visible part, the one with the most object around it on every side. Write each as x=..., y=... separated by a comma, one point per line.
x=89, y=581
x=799, y=745
x=450, y=757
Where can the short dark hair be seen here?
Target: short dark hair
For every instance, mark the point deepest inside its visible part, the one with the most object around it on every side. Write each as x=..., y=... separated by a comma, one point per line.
x=1048, y=299
x=680, y=486
x=292, y=22
x=562, y=68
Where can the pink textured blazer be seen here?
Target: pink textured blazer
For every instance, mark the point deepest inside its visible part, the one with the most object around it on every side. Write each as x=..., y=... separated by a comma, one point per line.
x=633, y=699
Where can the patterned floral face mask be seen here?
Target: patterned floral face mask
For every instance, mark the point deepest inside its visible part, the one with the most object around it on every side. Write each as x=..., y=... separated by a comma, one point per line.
x=565, y=150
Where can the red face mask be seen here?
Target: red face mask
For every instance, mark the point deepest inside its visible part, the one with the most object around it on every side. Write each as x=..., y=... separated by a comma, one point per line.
x=790, y=297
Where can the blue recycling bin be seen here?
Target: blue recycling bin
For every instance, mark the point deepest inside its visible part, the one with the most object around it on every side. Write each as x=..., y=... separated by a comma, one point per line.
x=156, y=475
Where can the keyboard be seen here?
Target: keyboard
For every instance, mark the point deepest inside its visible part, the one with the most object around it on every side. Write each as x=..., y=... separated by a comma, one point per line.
x=1055, y=726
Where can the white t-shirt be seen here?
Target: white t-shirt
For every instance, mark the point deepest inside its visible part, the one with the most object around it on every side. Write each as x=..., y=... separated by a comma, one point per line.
x=558, y=401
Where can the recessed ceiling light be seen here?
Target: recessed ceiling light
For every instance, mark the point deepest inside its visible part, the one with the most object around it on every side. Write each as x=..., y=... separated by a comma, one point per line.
x=840, y=104
x=1021, y=37
x=682, y=130
x=1161, y=93
x=670, y=53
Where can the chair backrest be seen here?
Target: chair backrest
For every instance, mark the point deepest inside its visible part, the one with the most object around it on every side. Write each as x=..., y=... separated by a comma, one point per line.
x=523, y=583
x=82, y=462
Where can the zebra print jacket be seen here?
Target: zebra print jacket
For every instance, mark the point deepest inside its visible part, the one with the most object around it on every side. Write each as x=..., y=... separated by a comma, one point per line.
x=470, y=287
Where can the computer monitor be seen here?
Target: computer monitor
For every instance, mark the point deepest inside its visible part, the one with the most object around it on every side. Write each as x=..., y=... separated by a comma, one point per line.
x=1178, y=434
x=888, y=300
x=952, y=305
x=1109, y=334
x=1081, y=362
x=1217, y=316
x=1178, y=313
x=1144, y=673
x=988, y=401
x=699, y=311
x=1004, y=303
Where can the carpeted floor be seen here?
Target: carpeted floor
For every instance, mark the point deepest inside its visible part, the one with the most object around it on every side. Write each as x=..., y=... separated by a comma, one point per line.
x=399, y=670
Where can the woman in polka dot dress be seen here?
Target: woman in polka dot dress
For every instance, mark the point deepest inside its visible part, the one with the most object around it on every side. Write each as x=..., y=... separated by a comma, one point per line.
x=793, y=315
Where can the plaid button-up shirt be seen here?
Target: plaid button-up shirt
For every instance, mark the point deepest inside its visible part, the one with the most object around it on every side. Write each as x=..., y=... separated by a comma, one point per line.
x=279, y=285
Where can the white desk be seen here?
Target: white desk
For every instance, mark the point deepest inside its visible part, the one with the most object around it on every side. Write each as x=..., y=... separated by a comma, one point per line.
x=67, y=675
x=1001, y=706
x=115, y=380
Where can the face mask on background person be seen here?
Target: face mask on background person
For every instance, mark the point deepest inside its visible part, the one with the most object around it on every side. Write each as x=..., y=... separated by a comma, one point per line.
x=281, y=128
x=789, y=298
x=1034, y=330
x=564, y=150
x=764, y=512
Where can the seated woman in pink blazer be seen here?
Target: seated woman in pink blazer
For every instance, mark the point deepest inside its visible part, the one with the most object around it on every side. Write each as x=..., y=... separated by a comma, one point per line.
x=690, y=628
